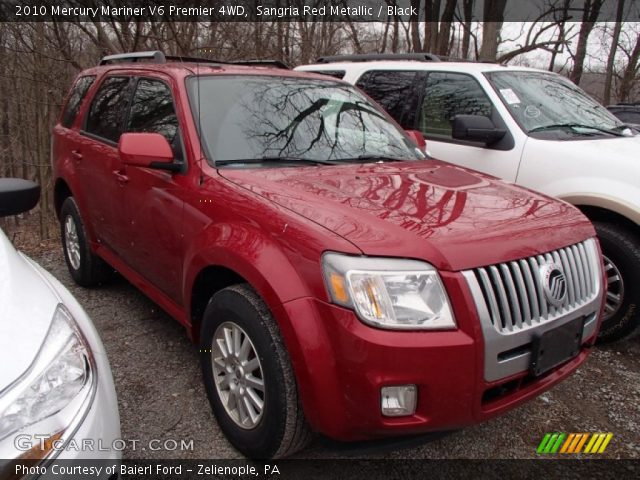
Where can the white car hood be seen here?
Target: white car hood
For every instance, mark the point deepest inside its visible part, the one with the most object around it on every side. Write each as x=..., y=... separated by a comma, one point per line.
x=603, y=151
x=27, y=304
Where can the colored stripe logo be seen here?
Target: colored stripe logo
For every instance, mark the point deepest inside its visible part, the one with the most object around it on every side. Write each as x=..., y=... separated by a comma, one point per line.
x=574, y=443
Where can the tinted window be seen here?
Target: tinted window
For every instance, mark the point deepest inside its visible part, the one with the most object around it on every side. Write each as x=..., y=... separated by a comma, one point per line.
x=152, y=110
x=392, y=90
x=78, y=92
x=107, y=110
x=447, y=95
x=253, y=118
x=628, y=116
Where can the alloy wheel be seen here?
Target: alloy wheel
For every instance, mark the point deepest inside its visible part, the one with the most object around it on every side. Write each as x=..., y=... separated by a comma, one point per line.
x=615, y=289
x=238, y=375
x=72, y=242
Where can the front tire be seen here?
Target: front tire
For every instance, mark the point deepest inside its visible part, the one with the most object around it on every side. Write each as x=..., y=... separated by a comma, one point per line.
x=248, y=376
x=85, y=268
x=621, y=251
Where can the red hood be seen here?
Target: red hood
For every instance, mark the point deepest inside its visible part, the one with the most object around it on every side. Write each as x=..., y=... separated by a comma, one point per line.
x=450, y=216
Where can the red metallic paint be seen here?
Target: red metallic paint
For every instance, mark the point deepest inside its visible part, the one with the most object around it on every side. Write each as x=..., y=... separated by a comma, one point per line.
x=271, y=226
x=142, y=149
x=418, y=138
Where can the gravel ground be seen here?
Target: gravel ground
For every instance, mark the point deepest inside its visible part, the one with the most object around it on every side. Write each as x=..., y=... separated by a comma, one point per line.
x=157, y=377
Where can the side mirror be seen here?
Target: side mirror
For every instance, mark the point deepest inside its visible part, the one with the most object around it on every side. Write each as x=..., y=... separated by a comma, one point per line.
x=17, y=196
x=418, y=138
x=150, y=150
x=476, y=128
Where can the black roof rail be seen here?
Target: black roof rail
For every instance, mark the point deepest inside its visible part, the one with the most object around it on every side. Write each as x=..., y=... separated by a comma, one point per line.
x=261, y=63
x=181, y=58
x=366, y=57
x=155, y=56
x=159, y=57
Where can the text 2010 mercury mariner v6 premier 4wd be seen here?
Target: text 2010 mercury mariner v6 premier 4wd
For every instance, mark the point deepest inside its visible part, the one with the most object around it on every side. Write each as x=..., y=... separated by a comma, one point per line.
x=335, y=279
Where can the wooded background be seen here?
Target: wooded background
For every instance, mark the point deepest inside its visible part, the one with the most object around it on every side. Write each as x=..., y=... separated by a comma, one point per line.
x=39, y=60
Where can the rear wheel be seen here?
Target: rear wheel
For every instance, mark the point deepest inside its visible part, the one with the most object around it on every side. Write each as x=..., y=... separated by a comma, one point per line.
x=248, y=376
x=621, y=252
x=85, y=268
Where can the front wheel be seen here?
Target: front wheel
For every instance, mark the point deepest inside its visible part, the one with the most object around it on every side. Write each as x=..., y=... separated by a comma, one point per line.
x=621, y=255
x=248, y=376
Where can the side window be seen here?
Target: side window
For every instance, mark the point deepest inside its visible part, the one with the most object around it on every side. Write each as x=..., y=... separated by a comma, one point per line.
x=78, y=92
x=108, y=108
x=447, y=95
x=628, y=117
x=152, y=110
x=392, y=90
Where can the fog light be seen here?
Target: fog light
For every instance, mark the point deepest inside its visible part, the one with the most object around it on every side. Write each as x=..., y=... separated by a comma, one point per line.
x=398, y=401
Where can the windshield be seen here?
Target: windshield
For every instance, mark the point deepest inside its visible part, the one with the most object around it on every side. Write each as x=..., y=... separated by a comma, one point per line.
x=256, y=119
x=546, y=102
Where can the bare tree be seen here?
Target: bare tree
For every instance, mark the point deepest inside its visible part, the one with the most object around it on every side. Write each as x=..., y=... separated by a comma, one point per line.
x=561, y=17
x=630, y=72
x=493, y=17
x=467, y=13
x=615, y=37
x=590, y=15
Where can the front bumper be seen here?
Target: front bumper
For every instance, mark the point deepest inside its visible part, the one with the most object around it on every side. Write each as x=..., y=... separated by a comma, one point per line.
x=341, y=364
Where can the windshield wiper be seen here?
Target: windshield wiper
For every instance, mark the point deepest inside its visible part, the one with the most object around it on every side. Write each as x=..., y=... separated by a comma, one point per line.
x=371, y=158
x=556, y=126
x=283, y=159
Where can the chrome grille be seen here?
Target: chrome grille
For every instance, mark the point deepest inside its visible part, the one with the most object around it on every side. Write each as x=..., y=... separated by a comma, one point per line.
x=513, y=291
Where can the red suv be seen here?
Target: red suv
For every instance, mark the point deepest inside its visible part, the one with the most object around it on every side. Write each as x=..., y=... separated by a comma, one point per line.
x=335, y=279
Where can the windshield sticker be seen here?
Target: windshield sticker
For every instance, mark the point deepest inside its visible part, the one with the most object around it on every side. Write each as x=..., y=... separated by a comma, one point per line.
x=509, y=96
x=531, y=111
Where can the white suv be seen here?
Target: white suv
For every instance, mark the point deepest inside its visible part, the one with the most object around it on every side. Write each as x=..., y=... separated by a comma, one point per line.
x=527, y=126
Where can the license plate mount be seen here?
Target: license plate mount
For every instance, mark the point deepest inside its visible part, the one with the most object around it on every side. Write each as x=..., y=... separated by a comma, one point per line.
x=556, y=346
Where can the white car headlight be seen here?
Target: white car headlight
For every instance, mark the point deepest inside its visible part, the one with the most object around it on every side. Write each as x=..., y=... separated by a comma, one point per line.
x=56, y=388
x=389, y=293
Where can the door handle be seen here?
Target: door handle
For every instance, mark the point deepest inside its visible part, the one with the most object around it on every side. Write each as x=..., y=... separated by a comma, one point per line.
x=120, y=176
x=76, y=154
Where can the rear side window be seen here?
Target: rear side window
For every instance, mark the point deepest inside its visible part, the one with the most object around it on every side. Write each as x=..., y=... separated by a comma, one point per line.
x=78, y=93
x=392, y=90
x=108, y=108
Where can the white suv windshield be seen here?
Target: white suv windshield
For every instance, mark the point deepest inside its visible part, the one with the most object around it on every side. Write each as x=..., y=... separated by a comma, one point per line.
x=546, y=103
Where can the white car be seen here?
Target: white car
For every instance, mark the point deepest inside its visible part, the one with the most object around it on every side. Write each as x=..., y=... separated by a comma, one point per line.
x=528, y=126
x=57, y=398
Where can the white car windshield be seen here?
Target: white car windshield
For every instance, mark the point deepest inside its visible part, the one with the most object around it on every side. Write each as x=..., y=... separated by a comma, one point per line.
x=547, y=103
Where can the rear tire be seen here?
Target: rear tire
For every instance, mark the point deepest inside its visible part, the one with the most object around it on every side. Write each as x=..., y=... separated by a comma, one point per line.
x=255, y=371
x=86, y=268
x=621, y=250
